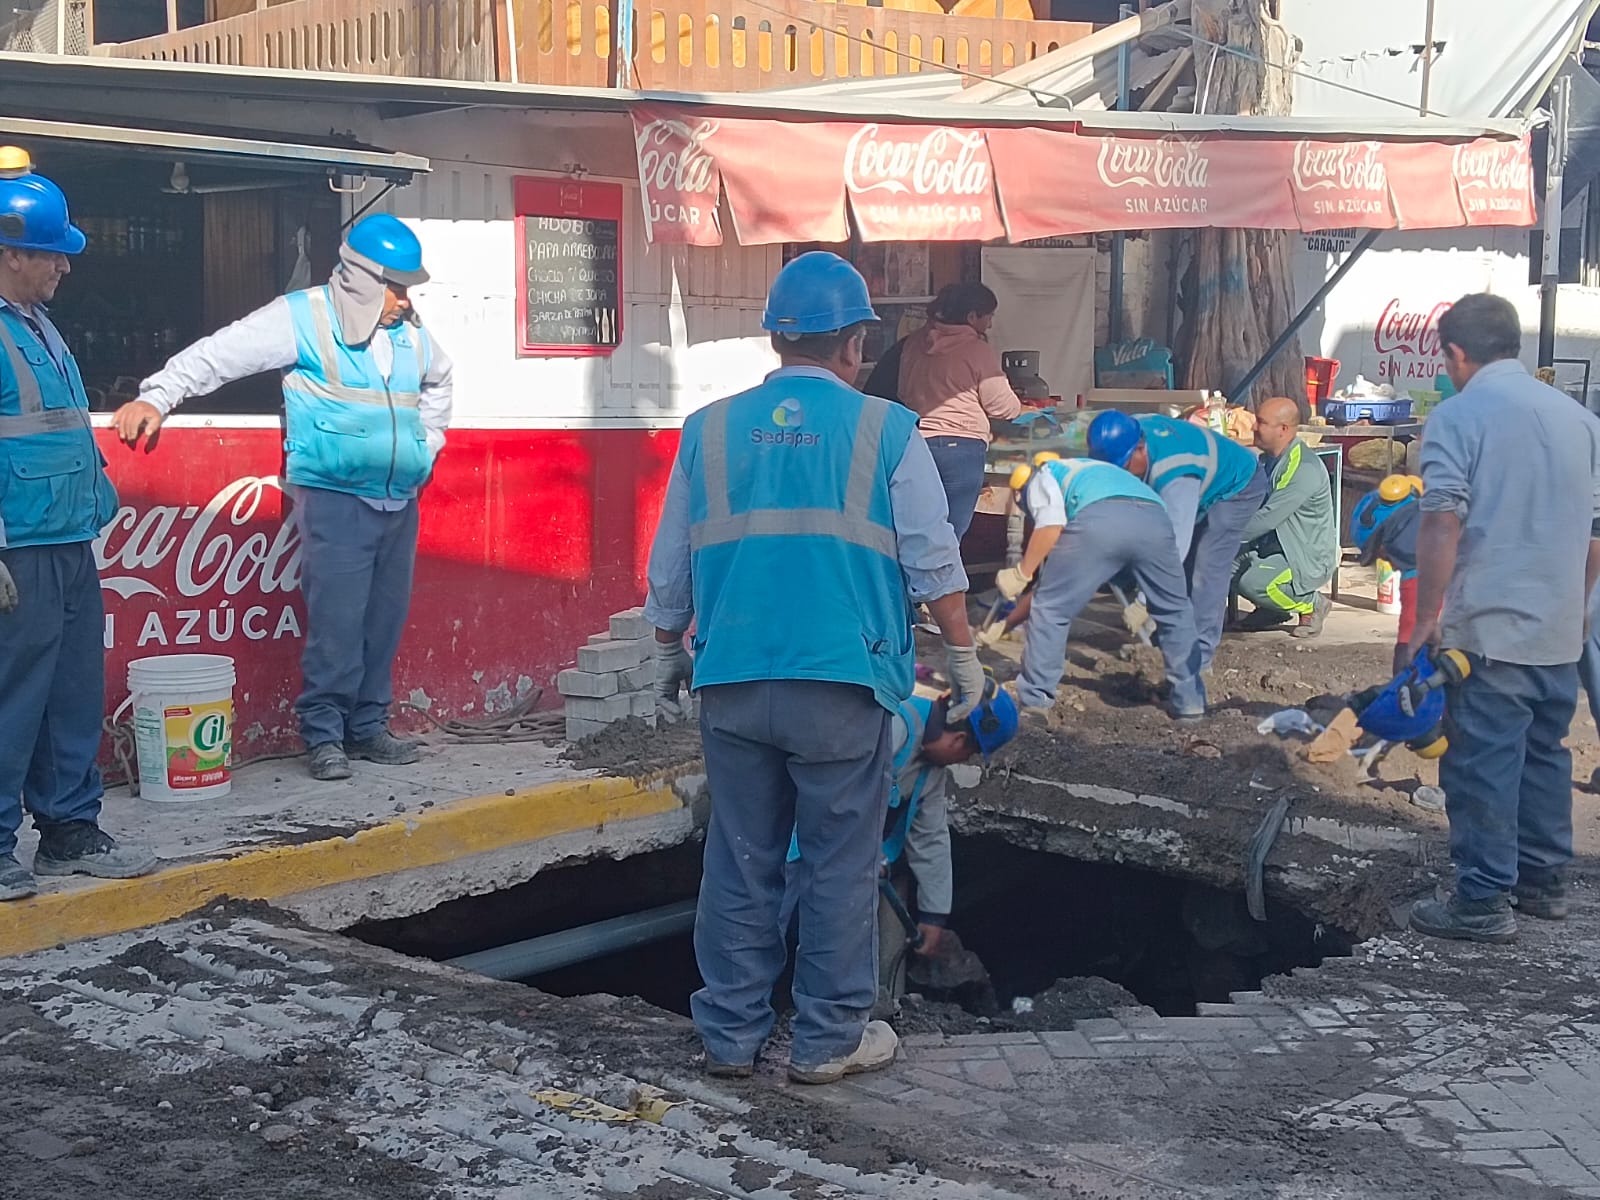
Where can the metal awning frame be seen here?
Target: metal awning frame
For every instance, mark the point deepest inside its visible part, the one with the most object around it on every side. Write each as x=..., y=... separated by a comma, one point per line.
x=198, y=147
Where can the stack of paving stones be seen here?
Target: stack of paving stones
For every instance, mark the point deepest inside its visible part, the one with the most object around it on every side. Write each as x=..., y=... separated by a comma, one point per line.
x=614, y=678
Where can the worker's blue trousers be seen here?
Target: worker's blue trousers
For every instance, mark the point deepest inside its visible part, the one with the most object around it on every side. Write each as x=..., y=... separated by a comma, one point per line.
x=1104, y=539
x=52, y=689
x=1213, y=551
x=1507, y=775
x=811, y=759
x=355, y=574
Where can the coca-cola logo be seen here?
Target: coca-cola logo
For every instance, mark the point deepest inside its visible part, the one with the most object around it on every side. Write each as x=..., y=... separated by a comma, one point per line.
x=1411, y=331
x=941, y=162
x=1171, y=163
x=1500, y=167
x=1344, y=166
x=208, y=547
x=673, y=157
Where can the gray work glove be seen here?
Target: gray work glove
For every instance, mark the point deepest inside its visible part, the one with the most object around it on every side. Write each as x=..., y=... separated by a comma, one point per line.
x=674, y=671
x=8, y=591
x=966, y=680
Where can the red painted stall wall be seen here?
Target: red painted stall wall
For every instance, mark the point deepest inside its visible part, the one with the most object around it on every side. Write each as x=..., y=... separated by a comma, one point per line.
x=529, y=541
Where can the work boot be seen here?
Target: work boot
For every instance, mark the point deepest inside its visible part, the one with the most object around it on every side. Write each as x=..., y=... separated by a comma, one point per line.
x=1310, y=625
x=16, y=881
x=1466, y=920
x=1541, y=896
x=725, y=1070
x=1259, y=620
x=384, y=748
x=83, y=848
x=329, y=762
x=876, y=1051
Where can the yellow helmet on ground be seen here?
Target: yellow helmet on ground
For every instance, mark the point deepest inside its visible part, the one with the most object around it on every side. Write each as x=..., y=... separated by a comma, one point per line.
x=1396, y=487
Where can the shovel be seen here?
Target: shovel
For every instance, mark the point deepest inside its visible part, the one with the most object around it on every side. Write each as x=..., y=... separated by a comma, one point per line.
x=954, y=966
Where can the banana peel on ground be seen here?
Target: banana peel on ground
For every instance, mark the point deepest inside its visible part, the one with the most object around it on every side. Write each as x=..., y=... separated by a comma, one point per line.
x=1336, y=741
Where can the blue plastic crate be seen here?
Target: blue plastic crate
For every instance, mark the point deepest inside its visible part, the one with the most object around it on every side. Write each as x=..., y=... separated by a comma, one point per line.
x=1379, y=412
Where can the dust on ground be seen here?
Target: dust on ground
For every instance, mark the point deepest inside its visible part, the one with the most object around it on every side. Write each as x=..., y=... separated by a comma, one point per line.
x=631, y=748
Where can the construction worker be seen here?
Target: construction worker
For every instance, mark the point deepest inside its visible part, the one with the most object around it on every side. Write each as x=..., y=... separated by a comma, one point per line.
x=54, y=500
x=1384, y=525
x=926, y=744
x=1211, y=486
x=1290, y=543
x=1092, y=522
x=797, y=517
x=367, y=396
x=1509, y=545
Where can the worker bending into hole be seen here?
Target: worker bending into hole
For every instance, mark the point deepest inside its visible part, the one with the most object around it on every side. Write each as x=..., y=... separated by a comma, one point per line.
x=1091, y=522
x=1211, y=488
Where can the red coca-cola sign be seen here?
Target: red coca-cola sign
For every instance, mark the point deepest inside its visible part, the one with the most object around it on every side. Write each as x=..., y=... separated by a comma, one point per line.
x=1166, y=164
x=1340, y=183
x=1494, y=181
x=912, y=183
x=1407, y=339
x=678, y=180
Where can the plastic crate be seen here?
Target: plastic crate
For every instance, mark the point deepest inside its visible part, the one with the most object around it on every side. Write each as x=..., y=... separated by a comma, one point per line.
x=1379, y=412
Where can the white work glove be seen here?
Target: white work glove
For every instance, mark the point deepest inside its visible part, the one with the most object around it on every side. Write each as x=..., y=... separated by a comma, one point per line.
x=992, y=636
x=966, y=680
x=674, y=671
x=1135, y=616
x=1011, y=582
x=8, y=591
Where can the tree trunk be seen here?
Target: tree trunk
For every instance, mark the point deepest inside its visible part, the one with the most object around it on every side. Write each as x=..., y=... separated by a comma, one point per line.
x=1238, y=291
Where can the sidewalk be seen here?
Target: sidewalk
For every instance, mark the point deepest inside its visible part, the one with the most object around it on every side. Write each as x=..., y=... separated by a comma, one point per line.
x=389, y=842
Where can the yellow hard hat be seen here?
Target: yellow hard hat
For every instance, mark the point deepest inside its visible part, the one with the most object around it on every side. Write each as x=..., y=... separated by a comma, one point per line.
x=1045, y=456
x=1416, y=483
x=14, y=162
x=1394, y=487
x=1020, y=477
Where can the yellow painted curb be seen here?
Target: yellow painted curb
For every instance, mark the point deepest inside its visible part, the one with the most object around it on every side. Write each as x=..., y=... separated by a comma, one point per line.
x=463, y=828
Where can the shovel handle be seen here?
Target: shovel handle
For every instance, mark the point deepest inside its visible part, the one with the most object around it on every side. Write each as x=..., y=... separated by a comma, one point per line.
x=913, y=934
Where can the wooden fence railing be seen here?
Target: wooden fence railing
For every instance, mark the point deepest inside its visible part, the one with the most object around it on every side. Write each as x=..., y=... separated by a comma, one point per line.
x=678, y=45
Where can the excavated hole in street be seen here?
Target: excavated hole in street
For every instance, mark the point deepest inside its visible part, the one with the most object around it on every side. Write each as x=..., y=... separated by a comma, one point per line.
x=1033, y=917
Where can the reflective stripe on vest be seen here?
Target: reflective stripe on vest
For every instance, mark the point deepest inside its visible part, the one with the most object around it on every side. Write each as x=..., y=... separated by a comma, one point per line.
x=854, y=524
x=334, y=386
x=29, y=397
x=903, y=809
x=1207, y=463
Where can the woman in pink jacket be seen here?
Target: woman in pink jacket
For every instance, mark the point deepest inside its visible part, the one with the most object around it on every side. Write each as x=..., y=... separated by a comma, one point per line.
x=951, y=377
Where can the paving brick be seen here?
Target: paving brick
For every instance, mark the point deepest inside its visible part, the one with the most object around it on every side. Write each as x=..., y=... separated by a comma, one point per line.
x=630, y=625
x=1488, y=1158
x=637, y=678
x=578, y=729
x=591, y=684
x=952, y=1053
x=610, y=656
x=1505, y=1139
x=1557, y=1167
x=1029, y=1060
x=1098, y=1029
x=1131, y=1049
x=1493, y=1106
x=1451, y=1112
x=1319, y=1016
x=993, y=1075
x=993, y=1039
x=643, y=704
x=611, y=708
x=1211, y=1029
x=1067, y=1044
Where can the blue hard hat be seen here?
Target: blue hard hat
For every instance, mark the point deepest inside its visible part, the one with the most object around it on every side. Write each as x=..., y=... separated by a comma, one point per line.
x=33, y=211
x=994, y=722
x=817, y=293
x=1113, y=437
x=389, y=245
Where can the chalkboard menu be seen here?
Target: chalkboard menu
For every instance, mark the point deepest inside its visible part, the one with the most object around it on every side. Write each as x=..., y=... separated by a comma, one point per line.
x=569, y=292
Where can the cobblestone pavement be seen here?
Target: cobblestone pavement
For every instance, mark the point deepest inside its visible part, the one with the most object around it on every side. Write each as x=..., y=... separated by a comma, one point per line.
x=234, y=1056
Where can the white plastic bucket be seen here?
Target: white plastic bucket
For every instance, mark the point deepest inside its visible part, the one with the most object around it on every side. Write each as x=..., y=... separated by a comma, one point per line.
x=1388, y=588
x=182, y=725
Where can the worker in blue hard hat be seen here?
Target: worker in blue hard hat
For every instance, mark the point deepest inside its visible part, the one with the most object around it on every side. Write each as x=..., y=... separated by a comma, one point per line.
x=54, y=500
x=1211, y=486
x=800, y=522
x=367, y=394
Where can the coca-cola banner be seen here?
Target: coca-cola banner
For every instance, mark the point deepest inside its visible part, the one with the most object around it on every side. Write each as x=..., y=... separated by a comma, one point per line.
x=789, y=181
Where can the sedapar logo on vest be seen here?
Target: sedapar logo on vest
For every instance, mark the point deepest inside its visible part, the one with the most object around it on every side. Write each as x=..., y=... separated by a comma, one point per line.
x=788, y=417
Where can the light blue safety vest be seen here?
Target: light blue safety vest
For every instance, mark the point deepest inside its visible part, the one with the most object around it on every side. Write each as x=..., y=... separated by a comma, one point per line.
x=53, y=485
x=907, y=777
x=1084, y=480
x=792, y=538
x=1181, y=450
x=349, y=429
